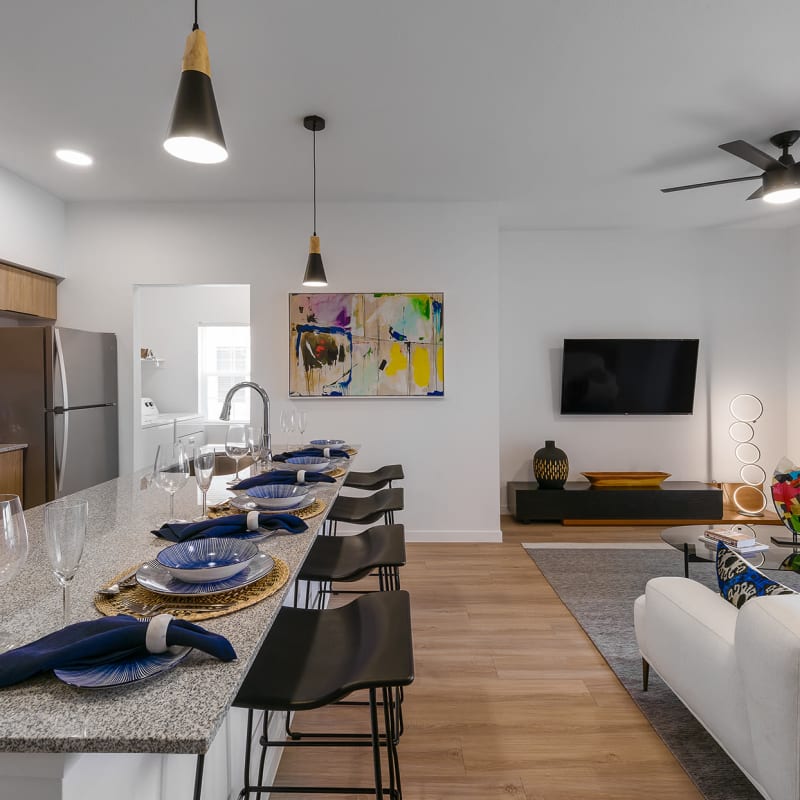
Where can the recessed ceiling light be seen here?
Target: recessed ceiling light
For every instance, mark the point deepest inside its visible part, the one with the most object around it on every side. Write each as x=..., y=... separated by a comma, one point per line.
x=75, y=157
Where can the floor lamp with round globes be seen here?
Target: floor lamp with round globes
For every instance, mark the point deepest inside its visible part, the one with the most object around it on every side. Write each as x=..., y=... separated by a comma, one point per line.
x=748, y=497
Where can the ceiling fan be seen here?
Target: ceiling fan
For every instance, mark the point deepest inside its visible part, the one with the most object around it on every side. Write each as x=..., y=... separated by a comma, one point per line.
x=780, y=180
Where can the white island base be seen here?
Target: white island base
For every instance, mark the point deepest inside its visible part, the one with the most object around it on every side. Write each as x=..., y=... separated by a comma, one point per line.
x=140, y=776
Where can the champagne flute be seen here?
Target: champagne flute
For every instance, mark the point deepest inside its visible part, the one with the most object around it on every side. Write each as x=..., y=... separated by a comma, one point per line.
x=171, y=471
x=253, y=433
x=287, y=425
x=64, y=534
x=204, y=459
x=236, y=447
x=13, y=548
x=301, y=418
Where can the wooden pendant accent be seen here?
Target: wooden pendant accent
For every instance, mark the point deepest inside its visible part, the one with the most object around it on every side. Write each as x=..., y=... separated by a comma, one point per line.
x=313, y=246
x=195, y=56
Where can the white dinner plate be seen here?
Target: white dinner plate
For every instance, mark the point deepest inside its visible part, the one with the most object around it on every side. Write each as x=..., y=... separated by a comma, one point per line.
x=119, y=673
x=154, y=577
x=245, y=503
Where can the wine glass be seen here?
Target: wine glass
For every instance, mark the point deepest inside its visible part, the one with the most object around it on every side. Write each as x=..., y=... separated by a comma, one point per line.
x=171, y=471
x=288, y=423
x=13, y=547
x=236, y=446
x=253, y=433
x=301, y=418
x=64, y=534
x=204, y=459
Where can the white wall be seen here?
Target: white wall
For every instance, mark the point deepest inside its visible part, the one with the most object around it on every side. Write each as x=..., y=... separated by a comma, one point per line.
x=32, y=226
x=724, y=287
x=448, y=446
x=168, y=320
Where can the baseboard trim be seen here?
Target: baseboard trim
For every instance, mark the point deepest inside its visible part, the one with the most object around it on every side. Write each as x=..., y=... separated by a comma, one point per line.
x=494, y=537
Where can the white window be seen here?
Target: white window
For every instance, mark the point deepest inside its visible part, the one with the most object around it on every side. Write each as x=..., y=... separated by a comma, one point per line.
x=223, y=360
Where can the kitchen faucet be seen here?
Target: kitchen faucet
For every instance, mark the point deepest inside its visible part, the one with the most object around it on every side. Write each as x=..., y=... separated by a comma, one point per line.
x=225, y=414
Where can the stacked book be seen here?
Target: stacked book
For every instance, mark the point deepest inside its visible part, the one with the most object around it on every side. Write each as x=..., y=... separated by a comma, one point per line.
x=743, y=542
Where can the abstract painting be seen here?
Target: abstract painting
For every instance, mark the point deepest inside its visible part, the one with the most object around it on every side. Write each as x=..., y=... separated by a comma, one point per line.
x=382, y=344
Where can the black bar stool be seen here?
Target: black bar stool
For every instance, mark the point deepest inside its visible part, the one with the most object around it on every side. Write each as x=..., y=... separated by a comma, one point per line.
x=312, y=658
x=350, y=558
x=377, y=479
x=365, y=510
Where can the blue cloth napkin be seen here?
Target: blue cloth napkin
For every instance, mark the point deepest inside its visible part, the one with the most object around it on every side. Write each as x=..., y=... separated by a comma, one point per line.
x=311, y=451
x=286, y=476
x=228, y=526
x=102, y=641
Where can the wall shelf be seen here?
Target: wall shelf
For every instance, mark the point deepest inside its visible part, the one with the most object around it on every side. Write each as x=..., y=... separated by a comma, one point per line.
x=156, y=362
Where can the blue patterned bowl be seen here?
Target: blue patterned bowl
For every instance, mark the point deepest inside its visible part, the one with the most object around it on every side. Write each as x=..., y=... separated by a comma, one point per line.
x=277, y=496
x=310, y=463
x=337, y=443
x=206, y=560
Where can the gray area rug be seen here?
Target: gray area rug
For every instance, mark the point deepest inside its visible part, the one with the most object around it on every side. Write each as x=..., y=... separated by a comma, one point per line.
x=599, y=587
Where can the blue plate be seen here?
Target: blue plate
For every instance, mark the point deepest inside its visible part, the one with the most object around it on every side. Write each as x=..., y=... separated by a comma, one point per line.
x=122, y=672
x=157, y=579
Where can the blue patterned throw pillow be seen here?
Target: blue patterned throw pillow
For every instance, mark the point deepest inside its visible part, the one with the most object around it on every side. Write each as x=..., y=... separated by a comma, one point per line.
x=739, y=581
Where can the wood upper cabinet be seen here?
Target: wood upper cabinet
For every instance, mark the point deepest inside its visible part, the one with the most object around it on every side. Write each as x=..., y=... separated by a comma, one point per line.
x=26, y=292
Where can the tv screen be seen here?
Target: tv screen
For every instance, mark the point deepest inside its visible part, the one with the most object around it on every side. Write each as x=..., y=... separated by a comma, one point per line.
x=628, y=376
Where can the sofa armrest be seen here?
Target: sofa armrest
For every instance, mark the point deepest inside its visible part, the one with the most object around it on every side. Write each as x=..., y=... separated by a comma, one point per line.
x=768, y=654
x=686, y=633
x=680, y=610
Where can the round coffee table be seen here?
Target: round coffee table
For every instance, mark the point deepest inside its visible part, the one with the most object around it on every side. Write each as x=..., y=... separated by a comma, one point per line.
x=686, y=538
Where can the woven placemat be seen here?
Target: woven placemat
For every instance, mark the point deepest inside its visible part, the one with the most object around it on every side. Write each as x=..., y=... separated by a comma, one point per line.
x=226, y=509
x=235, y=599
x=336, y=472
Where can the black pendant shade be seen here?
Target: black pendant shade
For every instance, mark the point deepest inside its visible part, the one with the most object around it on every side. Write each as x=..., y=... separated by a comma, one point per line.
x=315, y=272
x=195, y=132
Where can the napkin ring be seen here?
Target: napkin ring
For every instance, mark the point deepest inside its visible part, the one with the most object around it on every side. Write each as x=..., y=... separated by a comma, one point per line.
x=155, y=638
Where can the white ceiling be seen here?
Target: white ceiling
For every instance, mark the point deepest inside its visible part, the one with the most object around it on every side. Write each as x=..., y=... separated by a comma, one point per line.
x=567, y=113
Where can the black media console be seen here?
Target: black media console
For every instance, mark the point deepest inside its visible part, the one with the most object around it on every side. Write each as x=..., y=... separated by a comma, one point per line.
x=673, y=500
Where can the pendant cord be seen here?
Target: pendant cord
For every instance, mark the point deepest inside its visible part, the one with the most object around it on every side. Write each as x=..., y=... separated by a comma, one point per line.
x=195, y=26
x=315, y=179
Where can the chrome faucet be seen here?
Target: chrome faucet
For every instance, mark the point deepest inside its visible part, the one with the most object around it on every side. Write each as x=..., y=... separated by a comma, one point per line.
x=266, y=437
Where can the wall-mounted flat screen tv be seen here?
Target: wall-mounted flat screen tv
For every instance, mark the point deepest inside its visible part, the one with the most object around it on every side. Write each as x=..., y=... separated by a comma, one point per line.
x=628, y=376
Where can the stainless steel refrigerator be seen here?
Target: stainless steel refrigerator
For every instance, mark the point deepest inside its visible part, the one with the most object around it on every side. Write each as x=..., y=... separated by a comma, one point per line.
x=58, y=394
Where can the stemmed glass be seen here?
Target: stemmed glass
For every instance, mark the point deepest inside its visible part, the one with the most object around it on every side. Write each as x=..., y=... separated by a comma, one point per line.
x=301, y=417
x=13, y=547
x=288, y=422
x=171, y=471
x=253, y=434
x=204, y=458
x=236, y=446
x=64, y=534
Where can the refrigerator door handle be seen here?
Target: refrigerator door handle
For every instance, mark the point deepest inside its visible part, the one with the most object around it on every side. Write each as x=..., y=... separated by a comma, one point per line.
x=65, y=404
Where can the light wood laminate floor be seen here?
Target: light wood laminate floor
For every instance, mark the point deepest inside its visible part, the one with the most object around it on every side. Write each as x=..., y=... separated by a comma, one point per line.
x=511, y=699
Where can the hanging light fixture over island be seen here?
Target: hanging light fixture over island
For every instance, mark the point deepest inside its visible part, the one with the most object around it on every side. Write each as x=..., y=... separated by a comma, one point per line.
x=195, y=132
x=315, y=272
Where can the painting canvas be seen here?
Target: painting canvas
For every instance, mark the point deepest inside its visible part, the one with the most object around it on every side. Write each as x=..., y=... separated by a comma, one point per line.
x=366, y=345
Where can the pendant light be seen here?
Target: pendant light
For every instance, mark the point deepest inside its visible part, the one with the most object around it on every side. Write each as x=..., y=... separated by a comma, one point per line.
x=315, y=272
x=195, y=132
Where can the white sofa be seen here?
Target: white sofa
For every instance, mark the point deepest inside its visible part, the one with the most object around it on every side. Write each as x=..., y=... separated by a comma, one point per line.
x=738, y=672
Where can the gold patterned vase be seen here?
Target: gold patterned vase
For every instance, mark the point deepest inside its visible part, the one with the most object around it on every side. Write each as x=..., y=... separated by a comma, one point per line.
x=550, y=466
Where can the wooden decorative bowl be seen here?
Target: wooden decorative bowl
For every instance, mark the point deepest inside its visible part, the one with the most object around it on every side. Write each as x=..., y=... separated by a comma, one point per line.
x=636, y=479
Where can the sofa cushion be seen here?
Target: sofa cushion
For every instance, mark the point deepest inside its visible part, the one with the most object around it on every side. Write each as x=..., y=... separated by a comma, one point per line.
x=739, y=580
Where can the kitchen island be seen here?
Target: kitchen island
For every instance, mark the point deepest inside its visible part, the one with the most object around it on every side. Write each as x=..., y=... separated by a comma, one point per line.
x=56, y=740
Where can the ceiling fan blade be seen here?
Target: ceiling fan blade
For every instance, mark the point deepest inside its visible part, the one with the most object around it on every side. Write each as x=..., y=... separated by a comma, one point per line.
x=757, y=194
x=711, y=183
x=751, y=154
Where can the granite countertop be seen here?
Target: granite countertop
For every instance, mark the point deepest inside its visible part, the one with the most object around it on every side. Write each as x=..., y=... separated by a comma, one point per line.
x=177, y=712
x=9, y=448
